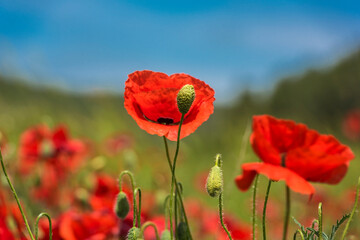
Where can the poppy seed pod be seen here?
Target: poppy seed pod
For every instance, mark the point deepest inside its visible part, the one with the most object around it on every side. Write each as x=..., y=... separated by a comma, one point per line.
x=165, y=235
x=185, y=98
x=122, y=205
x=214, y=182
x=182, y=231
x=134, y=234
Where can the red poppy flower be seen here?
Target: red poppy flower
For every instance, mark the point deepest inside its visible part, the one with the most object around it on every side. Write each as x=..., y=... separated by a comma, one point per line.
x=54, y=147
x=307, y=155
x=150, y=98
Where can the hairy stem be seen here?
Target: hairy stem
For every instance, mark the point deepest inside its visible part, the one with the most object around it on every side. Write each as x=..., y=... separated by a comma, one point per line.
x=150, y=224
x=132, y=181
x=353, y=211
x=221, y=214
x=16, y=198
x=287, y=213
x=254, y=207
x=37, y=225
x=264, y=210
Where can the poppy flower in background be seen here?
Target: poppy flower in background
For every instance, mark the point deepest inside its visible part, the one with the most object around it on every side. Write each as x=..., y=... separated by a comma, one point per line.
x=295, y=154
x=54, y=147
x=351, y=125
x=150, y=98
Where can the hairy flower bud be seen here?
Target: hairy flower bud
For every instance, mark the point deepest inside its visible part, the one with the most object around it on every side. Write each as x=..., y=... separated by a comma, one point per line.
x=182, y=231
x=122, y=205
x=134, y=234
x=185, y=98
x=165, y=235
x=214, y=182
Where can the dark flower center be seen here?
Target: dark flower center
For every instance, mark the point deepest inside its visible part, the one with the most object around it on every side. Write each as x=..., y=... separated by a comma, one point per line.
x=166, y=121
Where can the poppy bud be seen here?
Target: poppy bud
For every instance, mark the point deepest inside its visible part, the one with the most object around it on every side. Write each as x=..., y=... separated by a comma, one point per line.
x=122, y=205
x=165, y=235
x=182, y=231
x=185, y=98
x=133, y=234
x=214, y=182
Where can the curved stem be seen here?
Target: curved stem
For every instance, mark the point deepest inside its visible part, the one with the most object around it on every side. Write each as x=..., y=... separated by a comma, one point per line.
x=37, y=225
x=221, y=214
x=287, y=213
x=301, y=235
x=16, y=198
x=131, y=176
x=353, y=210
x=177, y=188
x=138, y=192
x=320, y=221
x=150, y=224
x=264, y=209
x=254, y=206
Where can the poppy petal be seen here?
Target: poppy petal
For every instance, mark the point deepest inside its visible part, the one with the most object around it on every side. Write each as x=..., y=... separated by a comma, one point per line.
x=315, y=157
x=276, y=173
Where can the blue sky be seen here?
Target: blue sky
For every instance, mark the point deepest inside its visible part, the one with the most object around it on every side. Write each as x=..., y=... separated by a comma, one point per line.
x=232, y=45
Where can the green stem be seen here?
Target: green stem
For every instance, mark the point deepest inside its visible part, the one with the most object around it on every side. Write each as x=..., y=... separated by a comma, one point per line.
x=254, y=206
x=320, y=221
x=138, y=192
x=150, y=224
x=176, y=209
x=353, y=211
x=287, y=213
x=221, y=202
x=177, y=189
x=37, y=225
x=301, y=235
x=264, y=210
x=16, y=198
x=173, y=169
x=131, y=176
x=167, y=211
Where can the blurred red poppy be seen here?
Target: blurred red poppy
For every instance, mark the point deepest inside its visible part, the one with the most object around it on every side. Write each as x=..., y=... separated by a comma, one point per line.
x=294, y=153
x=351, y=125
x=54, y=147
x=150, y=98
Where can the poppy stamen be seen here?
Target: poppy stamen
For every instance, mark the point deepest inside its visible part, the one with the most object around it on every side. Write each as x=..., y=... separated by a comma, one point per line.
x=166, y=121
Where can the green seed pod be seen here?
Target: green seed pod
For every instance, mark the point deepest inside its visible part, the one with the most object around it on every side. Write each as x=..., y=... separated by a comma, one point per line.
x=122, y=205
x=182, y=231
x=214, y=182
x=165, y=235
x=134, y=234
x=185, y=98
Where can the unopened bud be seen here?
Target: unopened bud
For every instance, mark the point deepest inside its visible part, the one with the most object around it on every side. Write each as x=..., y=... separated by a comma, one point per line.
x=214, y=182
x=185, y=98
x=165, y=235
x=122, y=205
x=182, y=231
x=133, y=234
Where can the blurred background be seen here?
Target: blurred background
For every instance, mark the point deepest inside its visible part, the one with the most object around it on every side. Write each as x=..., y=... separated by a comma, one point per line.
x=65, y=62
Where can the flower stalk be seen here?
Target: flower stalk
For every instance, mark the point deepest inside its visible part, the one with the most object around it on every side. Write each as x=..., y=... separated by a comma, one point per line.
x=254, y=207
x=353, y=211
x=37, y=225
x=16, y=198
x=264, y=209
